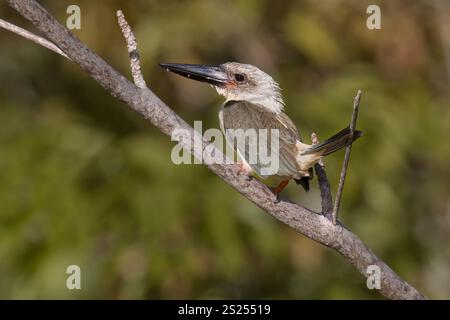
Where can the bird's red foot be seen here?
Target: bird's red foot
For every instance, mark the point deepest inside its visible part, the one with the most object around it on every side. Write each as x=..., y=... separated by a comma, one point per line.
x=277, y=190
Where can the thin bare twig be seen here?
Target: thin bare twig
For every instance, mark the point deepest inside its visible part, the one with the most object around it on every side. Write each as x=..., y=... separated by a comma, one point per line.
x=147, y=104
x=324, y=185
x=31, y=36
x=348, y=149
x=135, y=61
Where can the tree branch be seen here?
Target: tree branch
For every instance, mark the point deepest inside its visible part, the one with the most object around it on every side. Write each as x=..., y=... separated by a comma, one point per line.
x=147, y=104
x=348, y=149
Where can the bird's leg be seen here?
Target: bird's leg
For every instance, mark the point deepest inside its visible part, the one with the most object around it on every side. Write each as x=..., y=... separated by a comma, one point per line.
x=277, y=190
x=245, y=169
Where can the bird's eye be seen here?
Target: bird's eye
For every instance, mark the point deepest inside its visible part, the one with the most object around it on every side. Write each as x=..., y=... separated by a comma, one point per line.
x=239, y=77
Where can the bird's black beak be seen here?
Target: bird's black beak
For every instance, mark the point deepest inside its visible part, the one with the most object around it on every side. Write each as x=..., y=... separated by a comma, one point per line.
x=213, y=74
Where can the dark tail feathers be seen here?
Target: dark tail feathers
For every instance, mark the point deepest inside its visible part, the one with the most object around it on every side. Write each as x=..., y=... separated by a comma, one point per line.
x=334, y=143
x=304, y=181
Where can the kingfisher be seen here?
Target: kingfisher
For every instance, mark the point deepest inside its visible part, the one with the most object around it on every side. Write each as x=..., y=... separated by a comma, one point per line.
x=253, y=101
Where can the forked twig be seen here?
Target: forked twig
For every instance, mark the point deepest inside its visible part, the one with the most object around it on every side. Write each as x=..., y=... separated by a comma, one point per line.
x=31, y=36
x=135, y=61
x=324, y=185
x=348, y=149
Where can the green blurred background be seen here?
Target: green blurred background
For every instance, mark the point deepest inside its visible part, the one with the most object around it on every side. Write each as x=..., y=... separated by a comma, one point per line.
x=85, y=181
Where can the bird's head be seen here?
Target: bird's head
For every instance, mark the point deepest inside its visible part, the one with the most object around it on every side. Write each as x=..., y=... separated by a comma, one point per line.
x=235, y=81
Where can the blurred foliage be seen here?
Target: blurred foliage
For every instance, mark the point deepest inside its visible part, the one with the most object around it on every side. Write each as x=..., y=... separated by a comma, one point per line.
x=85, y=181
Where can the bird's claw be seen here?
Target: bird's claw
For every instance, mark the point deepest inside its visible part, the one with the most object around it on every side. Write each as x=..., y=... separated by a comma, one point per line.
x=276, y=194
x=277, y=190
